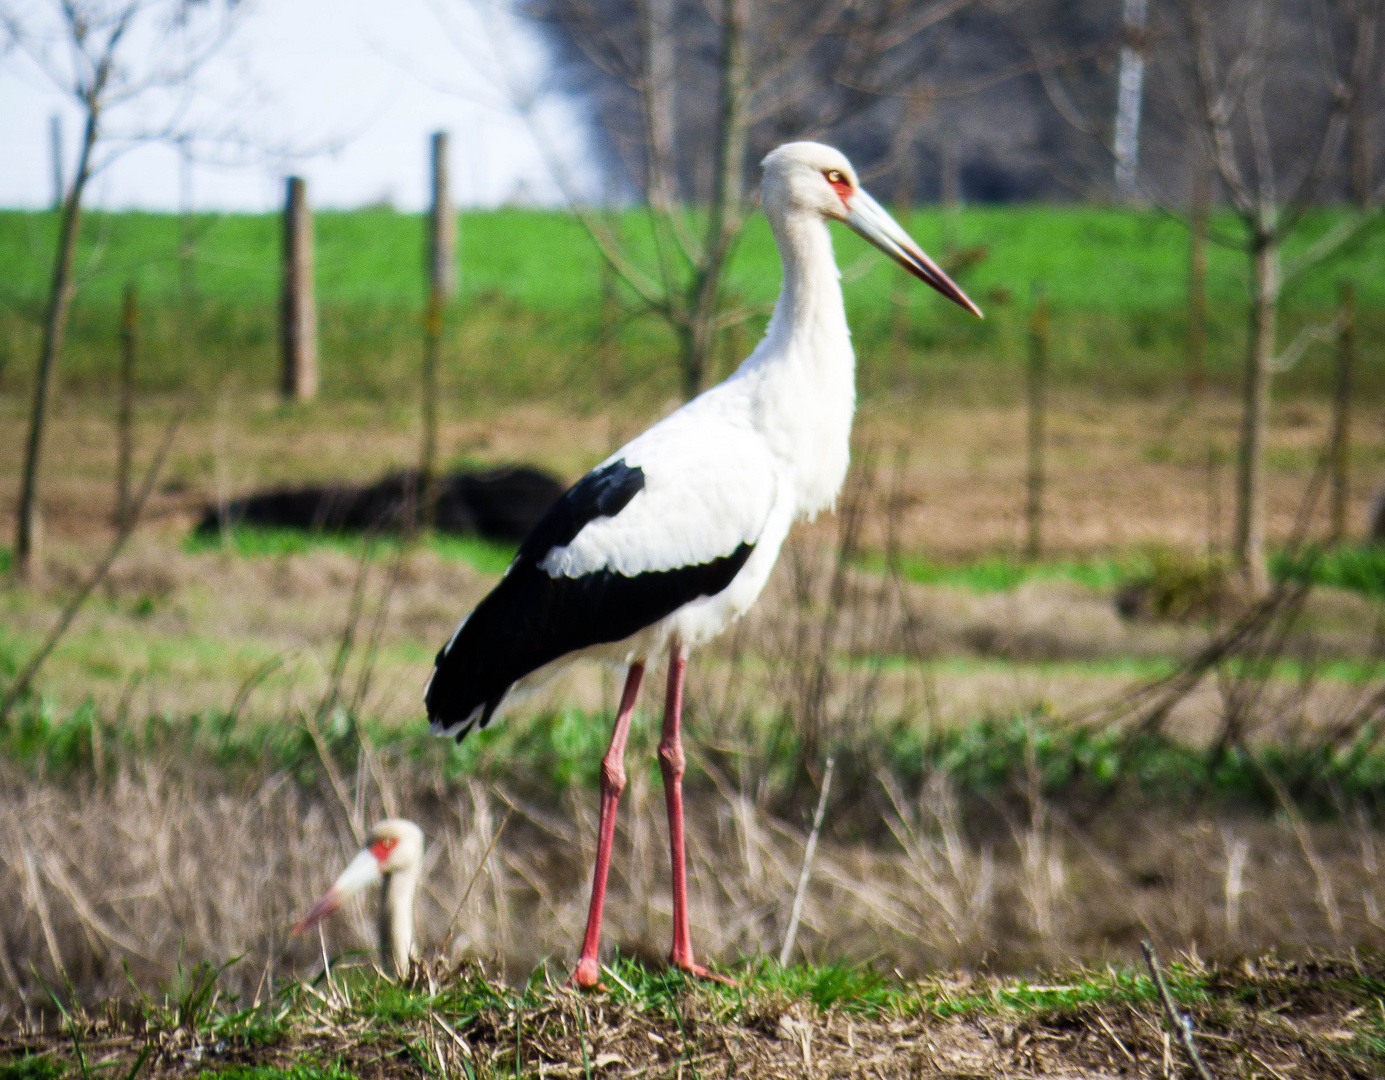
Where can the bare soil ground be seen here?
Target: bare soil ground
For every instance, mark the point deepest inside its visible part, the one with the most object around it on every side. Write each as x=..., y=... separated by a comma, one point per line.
x=184, y=632
x=1120, y=473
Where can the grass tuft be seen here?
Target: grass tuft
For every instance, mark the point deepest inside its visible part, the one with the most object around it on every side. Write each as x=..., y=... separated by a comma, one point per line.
x=304, y=1071
x=1359, y=568
x=32, y=1067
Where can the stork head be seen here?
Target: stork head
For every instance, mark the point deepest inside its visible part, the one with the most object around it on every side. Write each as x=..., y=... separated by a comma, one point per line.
x=393, y=846
x=810, y=178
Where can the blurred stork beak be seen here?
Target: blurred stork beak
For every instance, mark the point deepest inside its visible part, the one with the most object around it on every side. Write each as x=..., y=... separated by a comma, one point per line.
x=363, y=870
x=871, y=220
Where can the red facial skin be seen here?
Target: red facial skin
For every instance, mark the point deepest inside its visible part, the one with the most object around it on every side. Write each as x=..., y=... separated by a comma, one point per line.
x=842, y=187
x=381, y=848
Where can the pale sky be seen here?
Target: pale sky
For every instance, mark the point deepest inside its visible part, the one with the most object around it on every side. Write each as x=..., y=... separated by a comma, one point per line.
x=379, y=75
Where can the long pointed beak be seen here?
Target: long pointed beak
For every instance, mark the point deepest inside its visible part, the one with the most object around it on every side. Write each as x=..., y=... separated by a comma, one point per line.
x=871, y=220
x=363, y=870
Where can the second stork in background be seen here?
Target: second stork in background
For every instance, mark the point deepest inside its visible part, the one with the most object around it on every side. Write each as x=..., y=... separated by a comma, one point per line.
x=392, y=858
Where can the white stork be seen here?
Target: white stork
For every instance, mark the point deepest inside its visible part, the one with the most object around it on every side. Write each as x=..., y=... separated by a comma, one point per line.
x=393, y=858
x=671, y=539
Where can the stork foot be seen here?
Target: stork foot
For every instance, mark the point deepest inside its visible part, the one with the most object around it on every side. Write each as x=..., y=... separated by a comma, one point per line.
x=697, y=971
x=587, y=975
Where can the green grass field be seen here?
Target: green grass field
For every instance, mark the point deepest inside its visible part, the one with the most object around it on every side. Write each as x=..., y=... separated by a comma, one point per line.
x=528, y=319
x=1357, y=568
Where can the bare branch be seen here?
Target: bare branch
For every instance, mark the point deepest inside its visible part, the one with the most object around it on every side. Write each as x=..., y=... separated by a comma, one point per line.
x=1308, y=336
x=24, y=680
x=1336, y=238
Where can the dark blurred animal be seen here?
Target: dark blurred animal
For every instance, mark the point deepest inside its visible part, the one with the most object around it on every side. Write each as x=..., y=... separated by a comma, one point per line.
x=499, y=504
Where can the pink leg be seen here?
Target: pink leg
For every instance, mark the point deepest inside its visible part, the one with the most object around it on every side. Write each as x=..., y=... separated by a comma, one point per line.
x=612, y=784
x=673, y=765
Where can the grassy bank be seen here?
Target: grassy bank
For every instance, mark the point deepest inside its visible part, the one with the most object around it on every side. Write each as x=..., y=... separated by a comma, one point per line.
x=551, y=755
x=1008, y=846
x=1319, y=1020
x=528, y=321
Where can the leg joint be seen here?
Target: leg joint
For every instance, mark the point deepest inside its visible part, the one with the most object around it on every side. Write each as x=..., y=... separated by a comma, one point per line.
x=672, y=760
x=612, y=775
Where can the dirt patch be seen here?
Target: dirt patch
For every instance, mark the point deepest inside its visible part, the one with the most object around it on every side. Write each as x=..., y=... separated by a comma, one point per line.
x=1119, y=474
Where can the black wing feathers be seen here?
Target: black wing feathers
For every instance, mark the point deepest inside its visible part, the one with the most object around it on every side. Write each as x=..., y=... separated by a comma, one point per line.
x=531, y=619
x=604, y=492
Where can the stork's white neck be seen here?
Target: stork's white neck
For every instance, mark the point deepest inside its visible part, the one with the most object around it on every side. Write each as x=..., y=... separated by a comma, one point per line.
x=804, y=370
x=396, y=923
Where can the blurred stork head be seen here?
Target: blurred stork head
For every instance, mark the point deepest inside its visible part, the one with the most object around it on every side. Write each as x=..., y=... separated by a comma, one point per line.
x=394, y=846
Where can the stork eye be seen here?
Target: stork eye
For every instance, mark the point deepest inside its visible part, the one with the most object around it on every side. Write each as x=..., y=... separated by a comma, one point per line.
x=834, y=176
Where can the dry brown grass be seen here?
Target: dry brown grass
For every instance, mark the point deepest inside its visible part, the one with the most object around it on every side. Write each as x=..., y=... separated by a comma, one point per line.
x=160, y=863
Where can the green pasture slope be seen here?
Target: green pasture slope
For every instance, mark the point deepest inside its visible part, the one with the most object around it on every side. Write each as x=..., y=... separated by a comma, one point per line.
x=529, y=314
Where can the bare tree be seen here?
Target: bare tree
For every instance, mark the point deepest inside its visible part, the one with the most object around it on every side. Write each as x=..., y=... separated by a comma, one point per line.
x=1261, y=94
x=116, y=59
x=701, y=90
x=1272, y=175
x=1365, y=102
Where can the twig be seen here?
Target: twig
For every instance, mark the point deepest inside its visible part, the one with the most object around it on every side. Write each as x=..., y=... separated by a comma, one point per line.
x=1182, y=1025
x=259, y=675
x=329, y=765
x=377, y=630
x=1115, y=1038
x=326, y=963
x=25, y=678
x=1327, y=897
x=1306, y=337
x=807, y=870
x=346, y=646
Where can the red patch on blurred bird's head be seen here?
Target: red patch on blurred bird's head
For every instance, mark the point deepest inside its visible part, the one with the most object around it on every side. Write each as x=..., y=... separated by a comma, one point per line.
x=840, y=184
x=381, y=848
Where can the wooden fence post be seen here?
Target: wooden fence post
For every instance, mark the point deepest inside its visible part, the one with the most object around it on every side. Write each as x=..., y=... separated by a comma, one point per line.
x=442, y=223
x=298, y=310
x=442, y=284
x=1036, y=386
x=1341, y=415
x=1196, y=340
x=428, y=452
x=125, y=407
